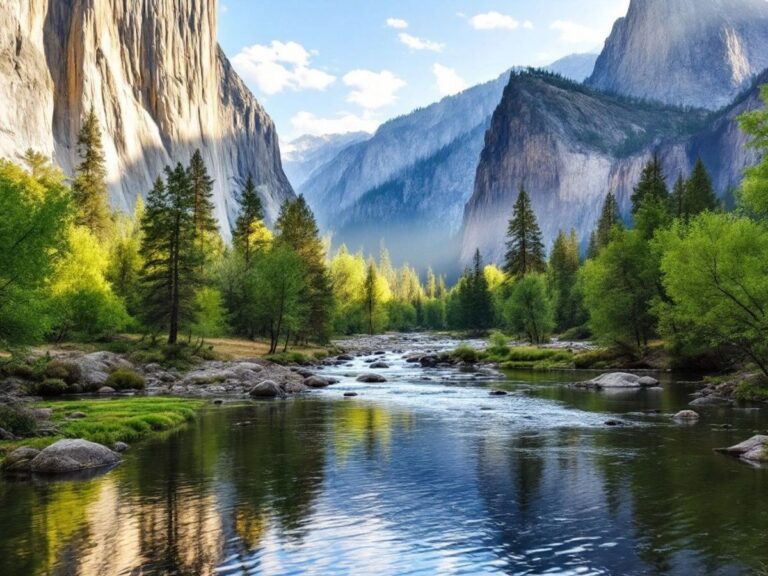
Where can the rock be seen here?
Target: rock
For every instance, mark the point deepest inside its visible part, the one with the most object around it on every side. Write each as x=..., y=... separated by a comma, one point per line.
x=71, y=456
x=379, y=365
x=316, y=382
x=614, y=423
x=498, y=393
x=686, y=416
x=371, y=378
x=218, y=401
x=293, y=387
x=413, y=359
x=20, y=460
x=711, y=400
x=267, y=389
x=350, y=394
x=379, y=353
x=97, y=366
x=619, y=380
x=106, y=390
x=304, y=373
x=120, y=447
x=344, y=358
x=78, y=415
x=428, y=361
x=5, y=435
x=42, y=413
x=754, y=450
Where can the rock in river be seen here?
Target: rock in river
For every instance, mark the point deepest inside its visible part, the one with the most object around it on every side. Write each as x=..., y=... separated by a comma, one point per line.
x=712, y=400
x=379, y=365
x=267, y=389
x=19, y=460
x=371, y=378
x=753, y=450
x=72, y=456
x=317, y=382
x=686, y=416
x=619, y=380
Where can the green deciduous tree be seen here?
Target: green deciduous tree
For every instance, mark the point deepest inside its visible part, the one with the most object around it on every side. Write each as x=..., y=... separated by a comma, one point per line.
x=754, y=193
x=525, y=249
x=125, y=261
x=561, y=279
x=528, y=311
x=375, y=296
x=90, y=184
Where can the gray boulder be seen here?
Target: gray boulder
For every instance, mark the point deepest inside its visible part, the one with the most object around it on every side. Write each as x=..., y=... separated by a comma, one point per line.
x=379, y=365
x=5, y=435
x=371, y=378
x=711, y=400
x=72, y=456
x=19, y=460
x=107, y=390
x=267, y=389
x=316, y=382
x=120, y=447
x=96, y=367
x=753, y=450
x=686, y=416
x=620, y=380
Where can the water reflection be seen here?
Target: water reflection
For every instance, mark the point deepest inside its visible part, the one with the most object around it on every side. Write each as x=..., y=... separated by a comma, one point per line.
x=331, y=486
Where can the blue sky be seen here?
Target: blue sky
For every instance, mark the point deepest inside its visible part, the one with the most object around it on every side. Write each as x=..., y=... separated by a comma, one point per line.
x=329, y=66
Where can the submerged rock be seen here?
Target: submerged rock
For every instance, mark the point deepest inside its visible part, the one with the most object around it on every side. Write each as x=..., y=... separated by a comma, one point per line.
x=379, y=365
x=371, y=378
x=267, y=389
x=350, y=394
x=753, y=450
x=619, y=380
x=498, y=393
x=686, y=416
x=711, y=401
x=72, y=456
x=120, y=447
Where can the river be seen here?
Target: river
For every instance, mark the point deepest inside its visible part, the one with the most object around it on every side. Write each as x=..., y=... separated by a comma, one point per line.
x=413, y=476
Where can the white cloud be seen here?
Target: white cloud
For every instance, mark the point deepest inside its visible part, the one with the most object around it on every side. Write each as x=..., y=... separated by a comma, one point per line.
x=415, y=43
x=497, y=21
x=308, y=123
x=448, y=81
x=574, y=33
x=398, y=23
x=372, y=90
x=280, y=66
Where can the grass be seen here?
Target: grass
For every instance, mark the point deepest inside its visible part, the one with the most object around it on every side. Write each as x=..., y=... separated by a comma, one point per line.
x=238, y=349
x=114, y=420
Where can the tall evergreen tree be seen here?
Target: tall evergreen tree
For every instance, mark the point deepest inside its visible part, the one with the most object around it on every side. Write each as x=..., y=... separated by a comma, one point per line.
x=201, y=186
x=481, y=308
x=525, y=249
x=652, y=185
x=563, y=269
x=296, y=227
x=172, y=260
x=678, y=197
x=699, y=192
x=609, y=218
x=89, y=187
x=251, y=214
x=371, y=297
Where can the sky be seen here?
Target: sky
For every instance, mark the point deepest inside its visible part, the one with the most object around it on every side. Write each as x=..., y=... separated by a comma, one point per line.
x=336, y=66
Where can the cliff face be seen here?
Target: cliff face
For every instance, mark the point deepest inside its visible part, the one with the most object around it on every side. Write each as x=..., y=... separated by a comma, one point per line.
x=699, y=53
x=301, y=157
x=569, y=145
x=159, y=83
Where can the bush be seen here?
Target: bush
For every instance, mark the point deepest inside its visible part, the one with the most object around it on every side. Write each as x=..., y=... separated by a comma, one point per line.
x=125, y=379
x=51, y=387
x=17, y=421
x=289, y=358
x=754, y=389
x=466, y=353
x=577, y=333
x=498, y=347
x=66, y=371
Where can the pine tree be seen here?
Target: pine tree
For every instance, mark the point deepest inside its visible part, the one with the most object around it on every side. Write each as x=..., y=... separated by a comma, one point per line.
x=89, y=187
x=296, y=227
x=678, y=197
x=370, y=297
x=699, y=193
x=251, y=214
x=609, y=218
x=652, y=185
x=172, y=260
x=563, y=268
x=481, y=310
x=431, y=283
x=525, y=250
x=201, y=186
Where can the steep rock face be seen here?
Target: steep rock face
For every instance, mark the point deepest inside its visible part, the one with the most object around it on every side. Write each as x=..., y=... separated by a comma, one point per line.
x=301, y=157
x=569, y=146
x=692, y=52
x=159, y=83
x=576, y=67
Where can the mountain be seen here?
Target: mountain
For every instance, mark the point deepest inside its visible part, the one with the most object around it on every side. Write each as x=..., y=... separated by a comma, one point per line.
x=413, y=176
x=576, y=67
x=302, y=156
x=569, y=145
x=699, y=53
x=159, y=83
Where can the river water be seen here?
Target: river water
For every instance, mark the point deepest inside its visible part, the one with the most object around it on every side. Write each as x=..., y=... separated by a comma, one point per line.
x=413, y=476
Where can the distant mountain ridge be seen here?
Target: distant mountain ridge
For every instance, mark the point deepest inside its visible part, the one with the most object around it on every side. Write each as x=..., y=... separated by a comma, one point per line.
x=304, y=155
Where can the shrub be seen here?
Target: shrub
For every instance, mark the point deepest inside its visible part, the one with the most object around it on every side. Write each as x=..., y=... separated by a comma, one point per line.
x=498, y=347
x=125, y=379
x=753, y=389
x=66, y=371
x=51, y=387
x=466, y=353
x=17, y=421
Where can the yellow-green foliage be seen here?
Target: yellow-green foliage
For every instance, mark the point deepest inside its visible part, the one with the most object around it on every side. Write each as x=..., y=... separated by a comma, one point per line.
x=125, y=379
x=754, y=389
x=466, y=353
x=537, y=358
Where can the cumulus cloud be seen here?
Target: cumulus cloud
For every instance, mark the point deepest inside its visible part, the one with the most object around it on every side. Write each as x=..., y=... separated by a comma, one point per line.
x=415, y=43
x=574, y=33
x=398, y=23
x=448, y=81
x=308, y=123
x=497, y=21
x=280, y=66
x=372, y=90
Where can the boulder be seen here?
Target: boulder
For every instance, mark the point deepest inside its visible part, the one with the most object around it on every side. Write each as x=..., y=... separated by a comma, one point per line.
x=428, y=361
x=350, y=394
x=78, y=415
x=72, y=456
x=20, y=460
x=120, y=447
x=96, y=367
x=620, y=380
x=5, y=435
x=371, y=378
x=293, y=387
x=711, y=400
x=379, y=365
x=344, y=358
x=106, y=390
x=753, y=450
x=686, y=416
x=267, y=389
x=498, y=393
x=614, y=423
x=316, y=382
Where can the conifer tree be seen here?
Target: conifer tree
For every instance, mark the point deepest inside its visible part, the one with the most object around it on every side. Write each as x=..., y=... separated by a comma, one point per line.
x=652, y=185
x=525, y=250
x=296, y=227
x=371, y=297
x=172, y=260
x=251, y=214
x=481, y=307
x=89, y=187
x=563, y=268
x=201, y=186
x=678, y=197
x=609, y=218
x=699, y=192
